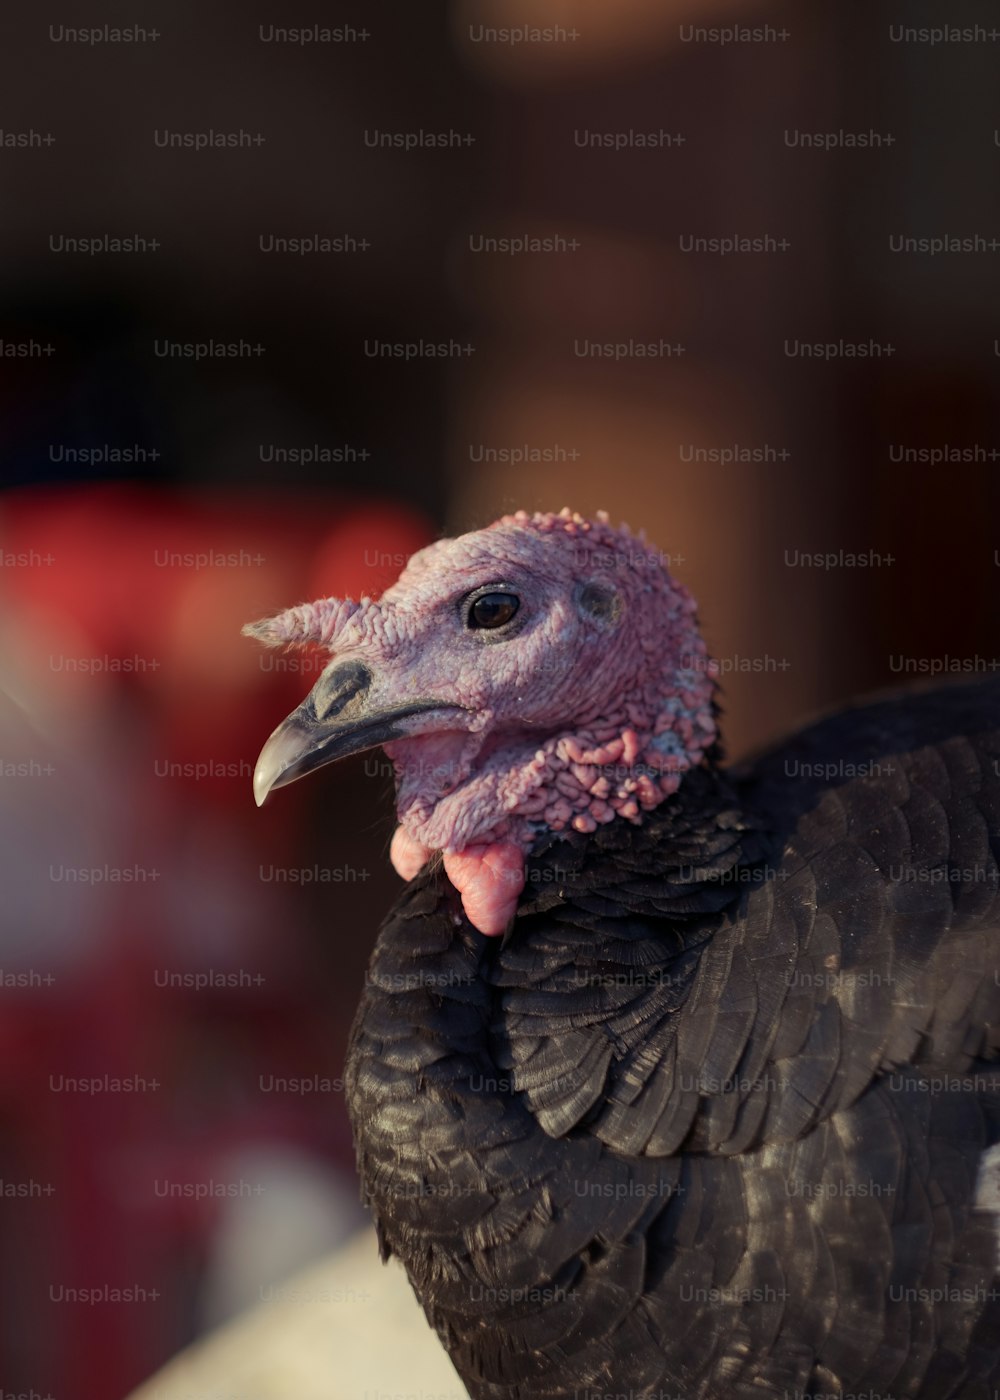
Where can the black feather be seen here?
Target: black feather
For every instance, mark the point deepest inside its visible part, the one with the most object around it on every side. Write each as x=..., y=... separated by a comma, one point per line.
x=707, y=1120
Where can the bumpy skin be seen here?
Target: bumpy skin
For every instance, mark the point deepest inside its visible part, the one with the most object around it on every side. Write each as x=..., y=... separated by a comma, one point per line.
x=591, y=706
x=677, y=1134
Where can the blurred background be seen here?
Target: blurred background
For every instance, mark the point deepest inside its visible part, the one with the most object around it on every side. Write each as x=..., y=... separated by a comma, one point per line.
x=277, y=308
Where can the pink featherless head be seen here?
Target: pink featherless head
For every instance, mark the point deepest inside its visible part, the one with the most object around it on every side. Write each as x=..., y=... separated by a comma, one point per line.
x=544, y=674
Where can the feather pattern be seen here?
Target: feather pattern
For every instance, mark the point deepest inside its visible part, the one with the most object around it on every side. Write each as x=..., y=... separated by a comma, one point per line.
x=709, y=1121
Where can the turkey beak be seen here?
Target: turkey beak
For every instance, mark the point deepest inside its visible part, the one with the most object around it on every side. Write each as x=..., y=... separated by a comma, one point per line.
x=336, y=718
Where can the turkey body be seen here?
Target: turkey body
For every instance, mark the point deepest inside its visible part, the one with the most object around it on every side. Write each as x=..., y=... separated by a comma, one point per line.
x=708, y=1121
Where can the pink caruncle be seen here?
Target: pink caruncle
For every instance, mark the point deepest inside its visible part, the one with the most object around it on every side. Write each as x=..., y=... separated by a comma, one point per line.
x=590, y=705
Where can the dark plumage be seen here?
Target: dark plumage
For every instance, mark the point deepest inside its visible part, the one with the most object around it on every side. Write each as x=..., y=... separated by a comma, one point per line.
x=655, y=1143
x=708, y=1120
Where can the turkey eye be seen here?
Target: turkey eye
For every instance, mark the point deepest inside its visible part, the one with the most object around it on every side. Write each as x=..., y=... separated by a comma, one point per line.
x=493, y=609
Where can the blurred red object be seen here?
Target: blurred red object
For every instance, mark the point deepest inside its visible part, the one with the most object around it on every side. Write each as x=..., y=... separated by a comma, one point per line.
x=122, y=609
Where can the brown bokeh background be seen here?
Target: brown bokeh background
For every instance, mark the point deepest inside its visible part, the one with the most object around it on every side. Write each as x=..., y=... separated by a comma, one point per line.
x=145, y=767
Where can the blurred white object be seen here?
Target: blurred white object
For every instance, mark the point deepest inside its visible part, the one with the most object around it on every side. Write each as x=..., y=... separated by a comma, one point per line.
x=349, y=1328
x=297, y=1210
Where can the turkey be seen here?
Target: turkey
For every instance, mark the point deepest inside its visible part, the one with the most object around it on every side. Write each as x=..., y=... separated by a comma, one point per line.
x=668, y=1079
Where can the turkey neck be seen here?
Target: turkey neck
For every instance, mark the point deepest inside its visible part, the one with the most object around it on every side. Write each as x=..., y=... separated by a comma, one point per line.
x=609, y=923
